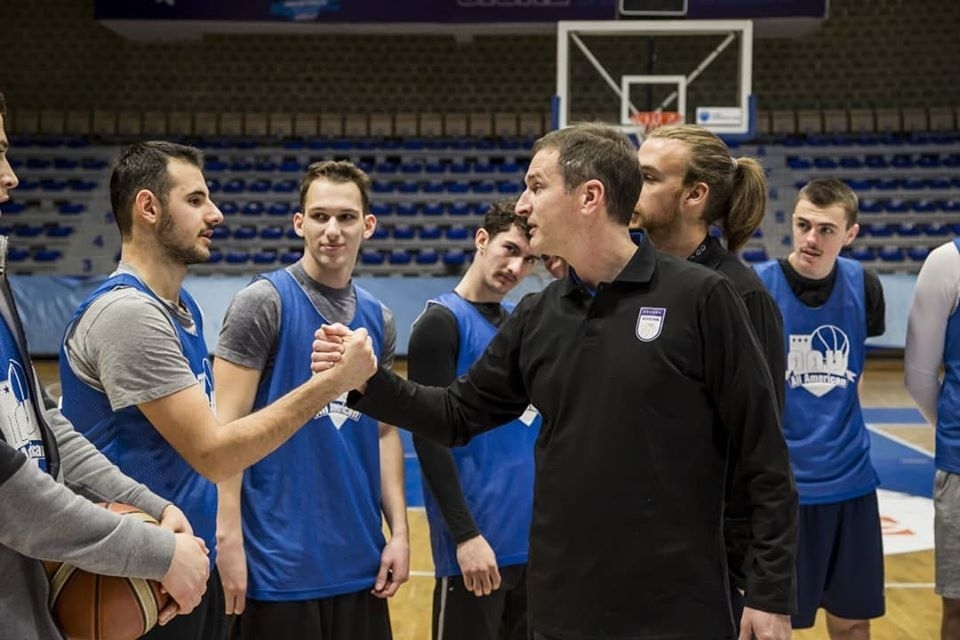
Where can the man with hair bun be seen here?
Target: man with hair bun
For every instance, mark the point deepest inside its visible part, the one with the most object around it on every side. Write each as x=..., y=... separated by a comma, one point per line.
x=691, y=183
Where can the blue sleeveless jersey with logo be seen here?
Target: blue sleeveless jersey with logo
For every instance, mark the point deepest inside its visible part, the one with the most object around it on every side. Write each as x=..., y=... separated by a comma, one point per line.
x=311, y=509
x=126, y=436
x=823, y=424
x=496, y=468
x=948, y=403
x=19, y=421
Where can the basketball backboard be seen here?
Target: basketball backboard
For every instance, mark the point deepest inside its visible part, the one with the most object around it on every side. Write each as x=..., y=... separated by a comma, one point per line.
x=638, y=74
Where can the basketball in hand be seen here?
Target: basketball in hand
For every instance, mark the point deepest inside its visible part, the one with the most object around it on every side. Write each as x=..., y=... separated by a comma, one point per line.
x=87, y=606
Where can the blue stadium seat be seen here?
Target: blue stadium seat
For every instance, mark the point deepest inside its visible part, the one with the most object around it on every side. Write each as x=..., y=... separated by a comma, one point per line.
x=400, y=257
x=380, y=233
x=58, y=231
x=266, y=166
x=220, y=232
x=508, y=188
x=290, y=165
x=237, y=257
x=458, y=187
x=407, y=209
x=850, y=162
x=272, y=233
x=212, y=165
x=260, y=185
x=872, y=206
x=454, y=258
x=27, y=231
x=28, y=185
x=408, y=186
x=371, y=257
x=385, y=167
x=379, y=186
x=484, y=186
x=459, y=209
x=94, y=164
x=898, y=206
x=234, y=185
x=228, y=207
x=285, y=186
x=279, y=209
x=875, y=162
x=902, y=161
x=918, y=253
x=427, y=256
x=430, y=232
x=13, y=208
x=265, y=257
x=38, y=163
x=433, y=209
x=825, y=163
x=755, y=255
x=923, y=206
x=253, y=208
x=434, y=186
x=863, y=254
x=292, y=235
x=411, y=168
x=47, y=255
x=290, y=257
x=510, y=167
x=459, y=167
x=859, y=184
x=17, y=255
x=483, y=168
x=241, y=166
x=435, y=168
x=798, y=164
x=244, y=233
x=52, y=184
x=78, y=184
x=381, y=209
x=403, y=232
x=937, y=183
x=457, y=232
x=71, y=208
x=892, y=254
x=213, y=185
x=886, y=184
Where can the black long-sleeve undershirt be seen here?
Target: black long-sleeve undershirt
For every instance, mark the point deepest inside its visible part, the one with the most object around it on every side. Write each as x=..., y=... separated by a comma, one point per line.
x=432, y=360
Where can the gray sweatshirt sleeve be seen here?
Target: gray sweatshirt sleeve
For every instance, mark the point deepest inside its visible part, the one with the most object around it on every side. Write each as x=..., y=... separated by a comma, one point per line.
x=91, y=474
x=43, y=519
x=934, y=300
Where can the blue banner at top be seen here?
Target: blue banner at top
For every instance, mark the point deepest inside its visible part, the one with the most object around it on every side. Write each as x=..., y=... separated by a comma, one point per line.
x=359, y=11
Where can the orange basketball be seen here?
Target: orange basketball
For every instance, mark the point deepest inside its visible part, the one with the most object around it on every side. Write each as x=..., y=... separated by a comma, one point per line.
x=87, y=606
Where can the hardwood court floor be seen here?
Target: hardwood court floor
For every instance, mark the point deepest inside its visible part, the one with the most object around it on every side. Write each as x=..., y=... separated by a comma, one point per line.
x=913, y=610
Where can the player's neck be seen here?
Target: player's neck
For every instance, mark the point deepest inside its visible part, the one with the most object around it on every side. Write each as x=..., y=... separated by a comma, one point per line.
x=155, y=269
x=471, y=287
x=332, y=278
x=681, y=242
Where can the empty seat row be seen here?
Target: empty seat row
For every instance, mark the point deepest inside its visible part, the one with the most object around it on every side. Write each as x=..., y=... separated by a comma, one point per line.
x=868, y=205
x=876, y=161
x=15, y=207
x=57, y=184
x=908, y=230
x=889, y=254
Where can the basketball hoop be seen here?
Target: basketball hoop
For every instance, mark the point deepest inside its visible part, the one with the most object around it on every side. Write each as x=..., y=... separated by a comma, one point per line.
x=649, y=120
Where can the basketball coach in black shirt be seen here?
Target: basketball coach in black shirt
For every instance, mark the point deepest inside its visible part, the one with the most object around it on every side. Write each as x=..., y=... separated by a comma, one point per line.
x=647, y=376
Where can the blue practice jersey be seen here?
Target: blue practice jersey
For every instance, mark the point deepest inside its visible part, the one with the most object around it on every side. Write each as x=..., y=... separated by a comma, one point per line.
x=20, y=424
x=496, y=468
x=822, y=420
x=311, y=509
x=128, y=439
x=948, y=404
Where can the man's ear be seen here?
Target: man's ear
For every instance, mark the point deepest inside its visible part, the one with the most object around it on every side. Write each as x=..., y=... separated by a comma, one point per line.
x=698, y=194
x=298, y=224
x=147, y=206
x=481, y=239
x=592, y=194
x=851, y=234
x=369, y=225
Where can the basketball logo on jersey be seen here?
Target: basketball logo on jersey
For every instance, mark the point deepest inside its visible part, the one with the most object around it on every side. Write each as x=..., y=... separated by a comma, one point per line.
x=339, y=412
x=19, y=423
x=818, y=362
x=650, y=323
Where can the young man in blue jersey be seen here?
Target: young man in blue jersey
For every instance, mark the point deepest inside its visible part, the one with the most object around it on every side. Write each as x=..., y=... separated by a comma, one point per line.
x=134, y=367
x=305, y=523
x=49, y=475
x=478, y=497
x=933, y=338
x=830, y=306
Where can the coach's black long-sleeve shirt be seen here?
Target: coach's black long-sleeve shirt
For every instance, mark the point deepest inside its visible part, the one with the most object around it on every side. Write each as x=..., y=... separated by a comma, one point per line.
x=641, y=387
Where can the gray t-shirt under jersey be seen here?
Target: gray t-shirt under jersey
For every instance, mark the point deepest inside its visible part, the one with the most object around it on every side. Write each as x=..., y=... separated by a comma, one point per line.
x=125, y=345
x=251, y=325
